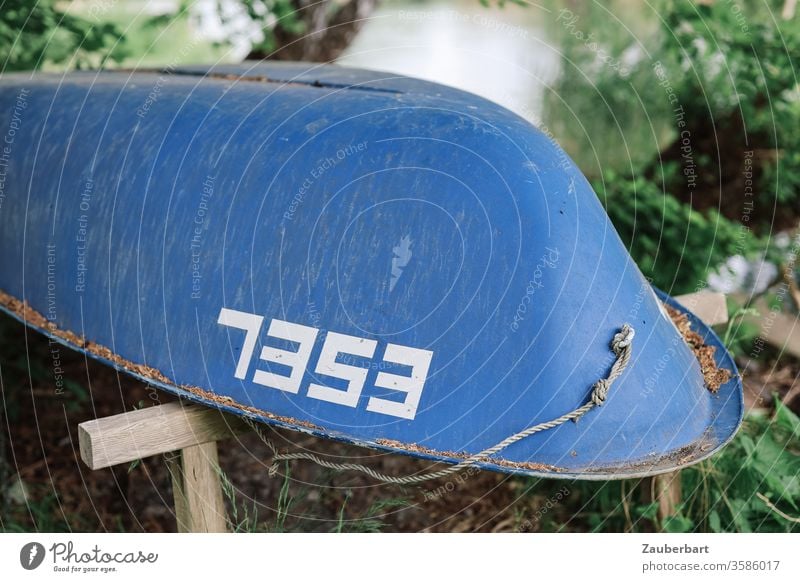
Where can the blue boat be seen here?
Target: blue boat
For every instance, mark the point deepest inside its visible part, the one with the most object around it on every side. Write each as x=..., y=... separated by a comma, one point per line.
x=352, y=254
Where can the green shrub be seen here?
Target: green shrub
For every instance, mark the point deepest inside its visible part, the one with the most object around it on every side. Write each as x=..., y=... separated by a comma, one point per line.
x=672, y=243
x=753, y=480
x=693, y=140
x=35, y=33
x=740, y=93
x=751, y=485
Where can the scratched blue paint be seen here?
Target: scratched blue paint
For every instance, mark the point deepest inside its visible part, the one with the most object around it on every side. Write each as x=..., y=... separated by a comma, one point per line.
x=388, y=209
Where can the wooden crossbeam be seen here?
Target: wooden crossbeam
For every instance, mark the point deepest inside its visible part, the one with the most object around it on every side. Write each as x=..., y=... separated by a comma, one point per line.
x=711, y=308
x=777, y=328
x=150, y=431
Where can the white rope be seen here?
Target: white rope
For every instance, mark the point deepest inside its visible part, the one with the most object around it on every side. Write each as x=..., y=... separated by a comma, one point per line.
x=621, y=345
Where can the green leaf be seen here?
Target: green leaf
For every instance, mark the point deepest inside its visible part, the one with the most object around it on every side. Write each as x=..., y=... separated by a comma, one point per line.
x=677, y=524
x=714, y=521
x=785, y=418
x=648, y=511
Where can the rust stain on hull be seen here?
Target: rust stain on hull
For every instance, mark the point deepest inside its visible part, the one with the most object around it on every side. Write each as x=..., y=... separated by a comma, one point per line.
x=36, y=319
x=713, y=375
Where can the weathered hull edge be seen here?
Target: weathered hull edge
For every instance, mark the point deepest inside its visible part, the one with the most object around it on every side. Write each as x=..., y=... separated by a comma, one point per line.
x=728, y=406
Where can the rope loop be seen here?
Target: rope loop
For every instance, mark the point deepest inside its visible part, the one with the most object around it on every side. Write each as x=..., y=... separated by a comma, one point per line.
x=621, y=344
x=623, y=338
x=600, y=392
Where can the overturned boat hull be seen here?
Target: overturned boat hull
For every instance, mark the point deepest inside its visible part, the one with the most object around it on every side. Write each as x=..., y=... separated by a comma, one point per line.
x=351, y=254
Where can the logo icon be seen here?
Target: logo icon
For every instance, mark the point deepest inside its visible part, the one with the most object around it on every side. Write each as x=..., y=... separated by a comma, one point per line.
x=402, y=255
x=31, y=555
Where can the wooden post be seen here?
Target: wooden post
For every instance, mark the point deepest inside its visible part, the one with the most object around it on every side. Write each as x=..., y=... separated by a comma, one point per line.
x=667, y=492
x=665, y=489
x=199, y=506
x=190, y=433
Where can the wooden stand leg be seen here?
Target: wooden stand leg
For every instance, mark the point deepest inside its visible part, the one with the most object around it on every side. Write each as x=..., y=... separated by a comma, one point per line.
x=199, y=506
x=187, y=435
x=667, y=491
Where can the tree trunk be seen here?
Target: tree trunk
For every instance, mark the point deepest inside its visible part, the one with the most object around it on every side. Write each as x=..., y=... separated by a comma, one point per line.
x=329, y=28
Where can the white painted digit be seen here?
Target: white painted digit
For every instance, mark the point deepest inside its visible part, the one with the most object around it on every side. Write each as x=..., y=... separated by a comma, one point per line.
x=249, y=323
x=297, y=361
x=420, y=361
x=335, y=344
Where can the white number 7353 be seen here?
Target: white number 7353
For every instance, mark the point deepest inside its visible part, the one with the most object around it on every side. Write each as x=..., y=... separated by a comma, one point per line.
x=335, y=343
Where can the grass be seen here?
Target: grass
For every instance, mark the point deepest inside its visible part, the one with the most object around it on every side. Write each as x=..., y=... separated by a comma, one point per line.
x=752, y=485
x=41, y=513
x=241, y=517
x=245, y=517
x=284, y=502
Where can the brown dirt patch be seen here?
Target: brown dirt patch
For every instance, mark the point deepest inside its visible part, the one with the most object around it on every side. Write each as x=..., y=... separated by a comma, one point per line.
x=713, y=375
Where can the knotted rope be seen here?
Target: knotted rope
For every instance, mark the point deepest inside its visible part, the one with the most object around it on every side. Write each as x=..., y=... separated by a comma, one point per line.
x=621, y=345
